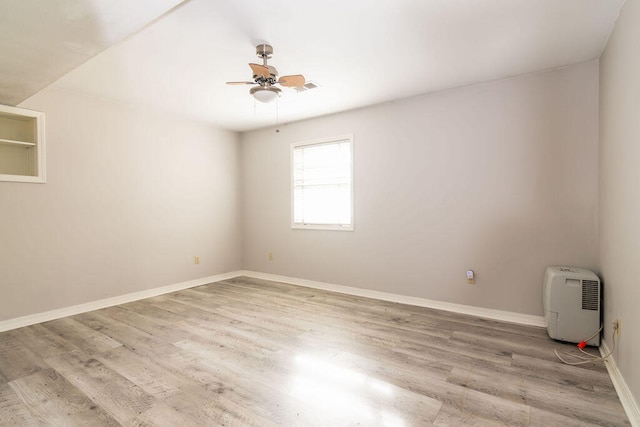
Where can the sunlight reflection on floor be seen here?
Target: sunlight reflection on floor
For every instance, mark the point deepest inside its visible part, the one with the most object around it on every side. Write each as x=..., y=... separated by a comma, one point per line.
x=339, y=393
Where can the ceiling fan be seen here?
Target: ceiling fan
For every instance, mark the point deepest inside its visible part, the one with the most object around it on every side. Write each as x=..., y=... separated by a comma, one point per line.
x=266, y=77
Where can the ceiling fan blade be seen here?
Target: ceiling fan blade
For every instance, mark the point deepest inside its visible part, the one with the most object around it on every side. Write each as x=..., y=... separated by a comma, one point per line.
x=241, y=83
x=260, y=70
x=295, y=80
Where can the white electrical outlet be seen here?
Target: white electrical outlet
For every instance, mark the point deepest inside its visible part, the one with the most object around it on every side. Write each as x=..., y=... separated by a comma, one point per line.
x=471, y=277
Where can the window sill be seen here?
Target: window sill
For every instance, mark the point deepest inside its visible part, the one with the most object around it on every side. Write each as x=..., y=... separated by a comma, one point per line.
x=329, y=227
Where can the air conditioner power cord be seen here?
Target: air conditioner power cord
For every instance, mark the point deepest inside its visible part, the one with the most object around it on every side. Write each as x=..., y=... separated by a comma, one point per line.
x=592, y=358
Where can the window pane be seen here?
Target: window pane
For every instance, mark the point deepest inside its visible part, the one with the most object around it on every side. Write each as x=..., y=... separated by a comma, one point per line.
x=323, y=205
x=322, y=183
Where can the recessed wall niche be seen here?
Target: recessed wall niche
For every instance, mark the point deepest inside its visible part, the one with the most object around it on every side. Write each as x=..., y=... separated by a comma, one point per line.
x=22, y=153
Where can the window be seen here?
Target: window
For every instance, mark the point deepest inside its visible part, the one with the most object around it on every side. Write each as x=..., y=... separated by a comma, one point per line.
x=322, y=193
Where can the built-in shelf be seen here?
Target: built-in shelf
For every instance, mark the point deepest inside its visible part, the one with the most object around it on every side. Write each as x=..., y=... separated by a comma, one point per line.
x=22, y=155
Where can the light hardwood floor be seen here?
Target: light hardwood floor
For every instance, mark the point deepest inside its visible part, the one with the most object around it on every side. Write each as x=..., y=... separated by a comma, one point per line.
x=253, y=352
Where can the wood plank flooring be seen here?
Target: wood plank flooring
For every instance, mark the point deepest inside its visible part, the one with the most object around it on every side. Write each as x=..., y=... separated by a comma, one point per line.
x=252, y=352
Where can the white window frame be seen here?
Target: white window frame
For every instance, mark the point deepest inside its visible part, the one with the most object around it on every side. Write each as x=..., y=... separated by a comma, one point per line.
x=309, y=226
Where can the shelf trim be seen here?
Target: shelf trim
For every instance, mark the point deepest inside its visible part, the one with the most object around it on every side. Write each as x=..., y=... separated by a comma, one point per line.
x=12, y=142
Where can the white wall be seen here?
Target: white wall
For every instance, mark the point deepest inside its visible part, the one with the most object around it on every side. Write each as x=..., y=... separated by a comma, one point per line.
x=619, y=202
x=500, y=178
x=130, y=199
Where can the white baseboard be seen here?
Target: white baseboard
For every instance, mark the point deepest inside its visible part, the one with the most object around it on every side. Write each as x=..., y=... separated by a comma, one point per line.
x=32, y=319
x=505, y=316
x=626, y=397
x=487, y=313
x=624, y=393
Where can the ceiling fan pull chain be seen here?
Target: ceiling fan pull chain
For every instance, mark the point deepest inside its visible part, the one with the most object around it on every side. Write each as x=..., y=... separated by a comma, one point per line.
x=277, y=115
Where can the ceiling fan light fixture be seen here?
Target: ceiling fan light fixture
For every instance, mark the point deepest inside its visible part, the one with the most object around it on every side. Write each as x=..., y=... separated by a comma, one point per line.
x=266, y=76
x=265, y=94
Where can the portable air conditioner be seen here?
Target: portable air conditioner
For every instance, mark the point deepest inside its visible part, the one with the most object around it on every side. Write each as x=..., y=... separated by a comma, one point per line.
x=571, y=299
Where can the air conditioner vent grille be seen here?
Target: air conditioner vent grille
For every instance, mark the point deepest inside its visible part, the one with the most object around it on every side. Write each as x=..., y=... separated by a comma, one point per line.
x=590, y=295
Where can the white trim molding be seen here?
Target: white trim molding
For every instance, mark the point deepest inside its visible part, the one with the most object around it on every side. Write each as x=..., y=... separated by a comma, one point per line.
x=32, y=319
x=487, y=313
x=624, y=393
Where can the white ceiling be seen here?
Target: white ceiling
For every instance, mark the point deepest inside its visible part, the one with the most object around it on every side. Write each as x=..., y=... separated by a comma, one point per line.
x=41, y=40
x=360, y=52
